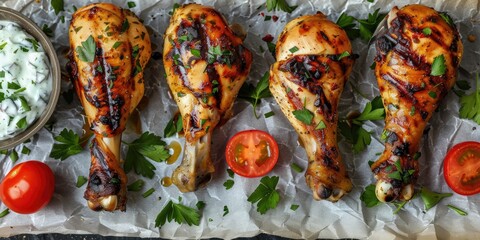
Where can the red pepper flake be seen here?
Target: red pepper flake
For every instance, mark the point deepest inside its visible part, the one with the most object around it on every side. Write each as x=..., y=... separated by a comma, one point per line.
x=275, y=18
x=268, y=38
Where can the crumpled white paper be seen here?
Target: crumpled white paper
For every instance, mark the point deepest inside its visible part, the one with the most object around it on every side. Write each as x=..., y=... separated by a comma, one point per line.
x=348, y=218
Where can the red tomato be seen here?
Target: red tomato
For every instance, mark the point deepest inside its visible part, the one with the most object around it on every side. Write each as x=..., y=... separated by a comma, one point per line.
x=28, y=187
x=461, y=168
x=251, y=153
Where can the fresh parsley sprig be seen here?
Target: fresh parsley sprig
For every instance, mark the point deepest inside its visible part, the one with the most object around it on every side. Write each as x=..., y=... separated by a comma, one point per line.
x=265, y=194
x=470, y=104
x=273, y=5
x=366, y=27
x=178, y=212
x=254, y=94
x=69, y=145
x=148, y=145
x=430, y=198
x=352, y=129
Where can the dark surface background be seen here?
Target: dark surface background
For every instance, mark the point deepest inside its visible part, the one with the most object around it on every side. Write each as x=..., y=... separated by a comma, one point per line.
x=56, y=236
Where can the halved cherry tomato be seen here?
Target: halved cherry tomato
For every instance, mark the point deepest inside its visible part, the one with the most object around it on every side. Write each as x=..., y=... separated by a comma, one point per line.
x=461, y=168
x=251, y=153
x=28, y=187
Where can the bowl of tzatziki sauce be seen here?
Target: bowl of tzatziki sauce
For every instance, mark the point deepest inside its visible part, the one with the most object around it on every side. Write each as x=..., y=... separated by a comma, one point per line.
x=29, y=78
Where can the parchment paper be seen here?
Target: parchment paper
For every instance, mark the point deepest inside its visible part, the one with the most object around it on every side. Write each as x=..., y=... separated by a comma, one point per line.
x=348, y=218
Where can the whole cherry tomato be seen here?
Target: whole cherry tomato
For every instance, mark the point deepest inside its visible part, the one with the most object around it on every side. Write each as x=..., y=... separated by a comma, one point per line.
x=28, y=187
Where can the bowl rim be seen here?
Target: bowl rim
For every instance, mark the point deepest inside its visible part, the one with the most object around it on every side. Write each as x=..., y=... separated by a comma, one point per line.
x=33, y=29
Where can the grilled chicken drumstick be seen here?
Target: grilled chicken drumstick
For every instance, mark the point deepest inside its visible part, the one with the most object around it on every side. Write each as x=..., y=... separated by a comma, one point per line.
x=109, y=47
x=416, y=64
x=206, y=64
x=314, y=60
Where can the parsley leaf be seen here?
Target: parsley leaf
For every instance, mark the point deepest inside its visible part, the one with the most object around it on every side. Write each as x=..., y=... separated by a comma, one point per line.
x=343, y=55
x=86, y=52
x=57, y=6
x=255, y=94
x=369, y=25
x=265, y=194
x=179, y=213
x=225, y=210
x=470, y=104
x=438, y=66
x=303, y=115
x=457, y=210
x=4, y=213
x=200, y=205
x=147, y=145
x=273, y=5
x=81, y=180
x=368, y=196
x=447, y=18
x=131, y=4
x=175, y=125
x=136, y=186
x=353, y=130
x=366, y=27
x=69, y=145
x=228, y=184
x=348, y=24
x=430, y=199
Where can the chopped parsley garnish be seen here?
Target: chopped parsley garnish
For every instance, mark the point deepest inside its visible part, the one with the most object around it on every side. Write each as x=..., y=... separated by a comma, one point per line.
x=13, y=155
x=148, y=145
x=447, y=18
x=228, y=184
x=196, y=52
x=294, y=207
x=148, y=192
x=265, y=195
x=81, y=180
x=2, y=46
x=273, y=5
x=26, y=150
x=438, y=66
x=117, y=44
x=321, y=125
x=125, y=26
x=296, y=168
x=136, y=186
x=57, y=6
x=427, y=31
x=225, y=211
x=24, y=103
x=303, y=115
x=86, y=52
x=401, y=174
x=175, y=125
x=47, y=30
x=178, y=212
x=457, y=210
x=69, y=145
x=344, y=54
x=254, y=94
x=2, y=74
x=293, y=49
x=269, y=114
x=4, y=213
x=348, y=24
x=432, y=94
x=131, y=4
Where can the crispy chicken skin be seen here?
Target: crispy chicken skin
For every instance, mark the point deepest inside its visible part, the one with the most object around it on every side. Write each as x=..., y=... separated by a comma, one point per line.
x=109, y=88
x=410, y=92
x=206, y=64
x=309, y=75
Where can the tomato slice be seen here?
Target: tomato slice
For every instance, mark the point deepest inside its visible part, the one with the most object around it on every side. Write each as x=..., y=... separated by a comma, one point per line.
x=251, y=153
x=28, y=187
x=461, y=168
